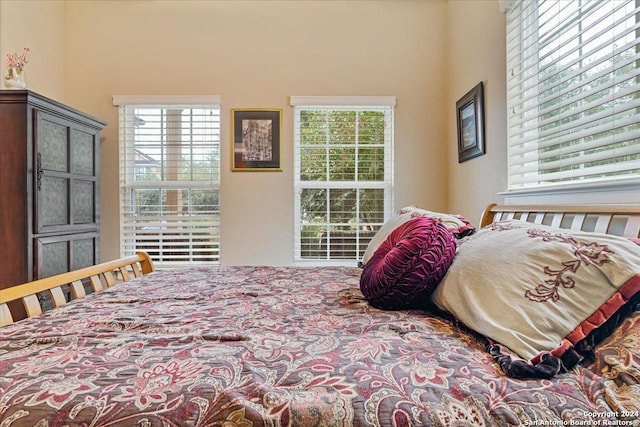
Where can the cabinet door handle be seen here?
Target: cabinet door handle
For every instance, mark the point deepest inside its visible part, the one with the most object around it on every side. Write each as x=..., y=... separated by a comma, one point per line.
x=39, y=172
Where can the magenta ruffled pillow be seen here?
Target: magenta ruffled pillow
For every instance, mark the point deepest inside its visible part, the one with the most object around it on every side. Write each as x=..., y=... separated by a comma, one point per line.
x=408, y=265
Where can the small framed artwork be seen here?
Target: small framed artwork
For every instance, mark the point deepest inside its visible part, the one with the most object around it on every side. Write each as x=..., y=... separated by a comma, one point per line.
x=470, y=112
x=255, y=135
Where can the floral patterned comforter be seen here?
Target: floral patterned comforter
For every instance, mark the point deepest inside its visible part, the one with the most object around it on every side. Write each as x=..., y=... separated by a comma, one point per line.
x=288, y=346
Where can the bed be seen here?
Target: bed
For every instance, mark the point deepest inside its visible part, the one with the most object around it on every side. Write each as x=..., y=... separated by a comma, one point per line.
x=295, y=346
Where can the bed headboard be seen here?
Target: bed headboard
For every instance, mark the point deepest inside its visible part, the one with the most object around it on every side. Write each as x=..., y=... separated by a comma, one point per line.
x=620, y=220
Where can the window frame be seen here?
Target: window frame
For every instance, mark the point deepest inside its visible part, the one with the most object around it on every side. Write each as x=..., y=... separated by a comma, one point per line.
x=128, y=173
x=608, y=190
x=347, y=103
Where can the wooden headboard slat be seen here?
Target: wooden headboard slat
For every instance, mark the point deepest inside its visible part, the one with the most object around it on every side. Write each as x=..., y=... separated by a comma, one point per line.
x=538, y=217
x=557, y=219
x=633, y=226
x=5, y=315
x=578, y=220
x=623, y=220
x=602, y=223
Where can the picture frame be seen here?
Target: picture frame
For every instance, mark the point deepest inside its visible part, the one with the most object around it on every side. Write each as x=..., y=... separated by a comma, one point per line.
x=255, y=139
x=470, y=118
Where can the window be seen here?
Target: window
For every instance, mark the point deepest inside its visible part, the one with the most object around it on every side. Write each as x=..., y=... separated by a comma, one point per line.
x=343, y=154
x=170, y=178
x=573, y=92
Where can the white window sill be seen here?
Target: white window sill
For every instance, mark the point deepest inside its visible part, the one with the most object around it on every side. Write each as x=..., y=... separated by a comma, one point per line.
x=325, y=263
x=621, y=192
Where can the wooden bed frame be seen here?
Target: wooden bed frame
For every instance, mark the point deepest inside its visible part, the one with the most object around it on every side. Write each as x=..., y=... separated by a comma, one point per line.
x=98, y=277
x=622, y=220
x=619, y=220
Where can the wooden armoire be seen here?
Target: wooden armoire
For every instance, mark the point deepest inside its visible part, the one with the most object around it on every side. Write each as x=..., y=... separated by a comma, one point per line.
x=49, y=188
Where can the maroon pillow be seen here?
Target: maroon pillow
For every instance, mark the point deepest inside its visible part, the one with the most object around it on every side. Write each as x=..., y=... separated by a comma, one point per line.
x=408, y=265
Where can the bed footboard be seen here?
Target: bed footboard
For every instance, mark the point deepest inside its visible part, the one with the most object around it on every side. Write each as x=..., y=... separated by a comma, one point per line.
x=68, y=286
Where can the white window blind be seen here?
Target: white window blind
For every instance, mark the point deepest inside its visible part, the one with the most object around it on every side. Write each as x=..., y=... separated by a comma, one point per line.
x=170, y=179
x=573, y=95
x=343, y=174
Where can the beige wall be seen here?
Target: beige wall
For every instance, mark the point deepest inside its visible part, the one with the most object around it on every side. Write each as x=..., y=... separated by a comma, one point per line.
x=257, y=54
x=475, y=34
x=38, y=25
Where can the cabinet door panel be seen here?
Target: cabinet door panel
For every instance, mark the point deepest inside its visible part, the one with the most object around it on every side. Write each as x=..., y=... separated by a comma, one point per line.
x=53, y=258
x=58, y=254
x=53, y=143
x=83, y=208
x=83, y=250
x=54, y=201
x=82, y=152
x=65, y=176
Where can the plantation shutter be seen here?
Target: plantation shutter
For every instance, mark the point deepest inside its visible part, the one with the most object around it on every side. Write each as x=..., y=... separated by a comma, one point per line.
x=573, y=85
x=170, y=178
x=343, y=175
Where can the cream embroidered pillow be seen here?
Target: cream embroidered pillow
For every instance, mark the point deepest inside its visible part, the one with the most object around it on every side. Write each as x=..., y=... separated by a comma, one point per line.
x=536, y=289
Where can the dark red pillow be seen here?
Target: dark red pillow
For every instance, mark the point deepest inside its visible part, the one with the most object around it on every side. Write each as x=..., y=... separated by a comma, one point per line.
x=408, y=265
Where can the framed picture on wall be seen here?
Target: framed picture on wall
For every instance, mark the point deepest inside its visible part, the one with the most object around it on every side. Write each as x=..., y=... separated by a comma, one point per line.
x=255, y=135
x=470, y=113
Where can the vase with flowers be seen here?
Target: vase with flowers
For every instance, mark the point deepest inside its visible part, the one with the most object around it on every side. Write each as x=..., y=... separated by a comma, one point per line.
x=14, y=77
